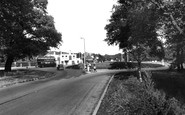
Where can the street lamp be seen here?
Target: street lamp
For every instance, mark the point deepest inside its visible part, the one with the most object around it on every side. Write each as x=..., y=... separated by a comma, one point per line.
x=84, y=51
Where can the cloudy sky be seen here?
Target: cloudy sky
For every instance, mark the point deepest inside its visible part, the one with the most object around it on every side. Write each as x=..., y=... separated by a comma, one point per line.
x=83, y=18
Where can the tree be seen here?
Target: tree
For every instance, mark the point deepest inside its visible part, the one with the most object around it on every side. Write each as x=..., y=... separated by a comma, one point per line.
x=133, y=26
x=26, y=29
x=173, y=20
x=98, y=57
x=127, y=29
x=171, y=17
x=101, y=58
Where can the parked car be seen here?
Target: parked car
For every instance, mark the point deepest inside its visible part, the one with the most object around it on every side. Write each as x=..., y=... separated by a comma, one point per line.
x=60, y=67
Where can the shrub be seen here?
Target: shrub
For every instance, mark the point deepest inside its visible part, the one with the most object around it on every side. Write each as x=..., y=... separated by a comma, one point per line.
x=122, y=65
x=78, y=66
x=131, y=97
x=104, y=65
x=150, y=101
x=130, y=65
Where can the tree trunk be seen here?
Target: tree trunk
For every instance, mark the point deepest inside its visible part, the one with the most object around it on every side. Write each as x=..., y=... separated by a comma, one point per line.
x=181, y=66
x=8, y=63
x=139, y=71
x=176, y=25
x=178, y=58
x=125, y=57
x=181, y=59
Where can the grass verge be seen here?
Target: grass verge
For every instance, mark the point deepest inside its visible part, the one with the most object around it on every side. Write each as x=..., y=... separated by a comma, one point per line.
x=20, y=76
x=171, y=82
x=128, y=96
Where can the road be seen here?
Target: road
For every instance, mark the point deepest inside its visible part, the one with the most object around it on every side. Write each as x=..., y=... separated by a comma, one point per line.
x=74, y=96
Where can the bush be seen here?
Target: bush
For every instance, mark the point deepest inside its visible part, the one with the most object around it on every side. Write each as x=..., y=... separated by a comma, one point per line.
x=171, y=82
x=150, y=101
x=79, y=66
x=103, y=65
x=131, y=97
x=130, y=65
x=122, y=65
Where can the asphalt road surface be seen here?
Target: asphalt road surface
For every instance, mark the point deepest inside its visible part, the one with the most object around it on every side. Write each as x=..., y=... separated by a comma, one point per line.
x=74, y=96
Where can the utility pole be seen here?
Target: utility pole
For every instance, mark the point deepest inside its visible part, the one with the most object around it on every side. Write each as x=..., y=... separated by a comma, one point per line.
x=84, y=51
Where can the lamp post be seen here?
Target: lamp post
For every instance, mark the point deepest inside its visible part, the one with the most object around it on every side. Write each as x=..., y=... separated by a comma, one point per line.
x=84, y=51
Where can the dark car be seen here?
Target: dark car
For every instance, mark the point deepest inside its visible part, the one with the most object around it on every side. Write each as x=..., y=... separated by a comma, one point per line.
x=60, y=67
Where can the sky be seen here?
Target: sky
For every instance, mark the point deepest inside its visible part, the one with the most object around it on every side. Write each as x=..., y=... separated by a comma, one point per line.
x=77, y=19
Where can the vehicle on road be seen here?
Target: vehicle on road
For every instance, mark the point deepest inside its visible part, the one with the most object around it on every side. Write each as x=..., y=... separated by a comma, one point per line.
x=46, y=61
x=60, y=67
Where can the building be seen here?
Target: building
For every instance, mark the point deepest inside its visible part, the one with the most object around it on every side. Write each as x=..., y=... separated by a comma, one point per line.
x=65, y=58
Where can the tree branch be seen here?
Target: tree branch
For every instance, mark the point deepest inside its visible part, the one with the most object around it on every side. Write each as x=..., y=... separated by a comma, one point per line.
x=176, y=25
x=171, y=17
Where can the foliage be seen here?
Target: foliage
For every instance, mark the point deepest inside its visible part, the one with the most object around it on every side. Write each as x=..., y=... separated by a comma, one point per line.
x=99, y=57
x=145, y=23
x=78, y=66
x=133, y=26
x=116, y=57
x=131, y=97
x=26, y=29
x=172, y=82
x=172, y=20
x=131, y=65
x=122, y=65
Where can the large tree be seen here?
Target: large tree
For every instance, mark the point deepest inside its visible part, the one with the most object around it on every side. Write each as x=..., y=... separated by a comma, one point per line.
x=171, y=20
x=172, y=15
x=26, y=29
x=133, y=26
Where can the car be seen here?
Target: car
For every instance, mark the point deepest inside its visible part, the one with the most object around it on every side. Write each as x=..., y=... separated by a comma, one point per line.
x=60, y=67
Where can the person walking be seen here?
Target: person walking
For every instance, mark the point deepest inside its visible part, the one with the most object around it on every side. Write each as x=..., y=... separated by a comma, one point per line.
x=88, y=67
x=94, y=67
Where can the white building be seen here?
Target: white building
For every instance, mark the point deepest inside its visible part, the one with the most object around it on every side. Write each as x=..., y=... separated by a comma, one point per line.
x=65, y=58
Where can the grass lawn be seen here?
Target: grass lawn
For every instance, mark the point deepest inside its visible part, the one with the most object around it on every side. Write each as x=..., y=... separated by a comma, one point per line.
x=127, y=96
x=20, y=76
x=26, y=75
